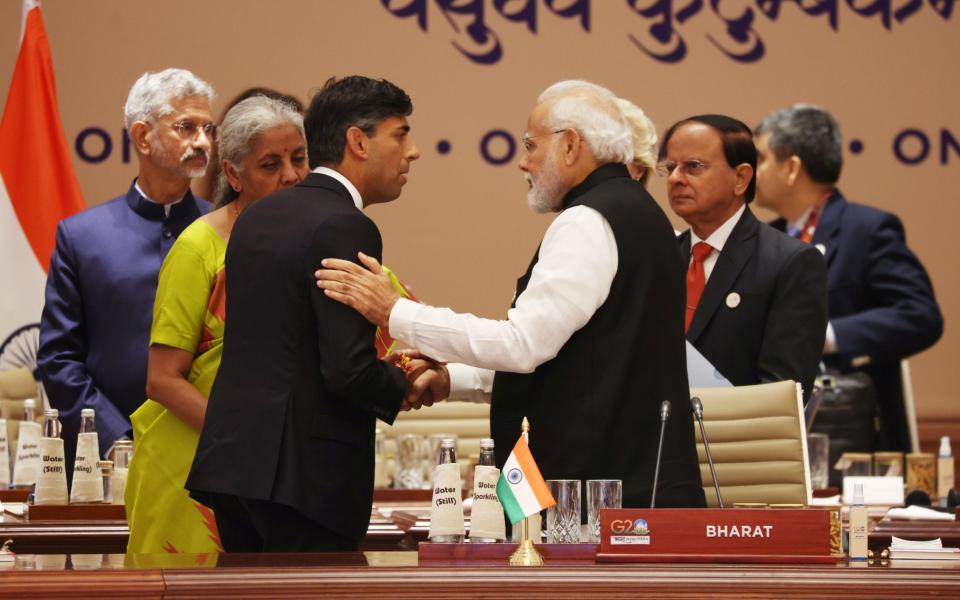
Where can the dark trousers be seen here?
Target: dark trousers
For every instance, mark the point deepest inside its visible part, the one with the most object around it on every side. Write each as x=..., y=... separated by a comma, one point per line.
x=248, y=525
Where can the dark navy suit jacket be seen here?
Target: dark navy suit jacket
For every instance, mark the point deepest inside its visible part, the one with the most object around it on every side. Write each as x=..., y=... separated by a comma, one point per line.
x=763, y=313
x=292, y=413
x=95, y=327
x=880, y=301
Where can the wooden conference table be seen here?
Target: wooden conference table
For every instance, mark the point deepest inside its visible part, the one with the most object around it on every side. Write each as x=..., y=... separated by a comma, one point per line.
x=398, y=575
x=103, y=527
x=83, y=559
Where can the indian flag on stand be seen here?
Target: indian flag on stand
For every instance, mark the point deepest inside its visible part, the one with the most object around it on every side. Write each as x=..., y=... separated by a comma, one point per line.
x=521, y=488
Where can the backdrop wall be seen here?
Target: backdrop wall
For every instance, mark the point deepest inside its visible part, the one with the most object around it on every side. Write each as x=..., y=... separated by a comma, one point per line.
x=461, y=232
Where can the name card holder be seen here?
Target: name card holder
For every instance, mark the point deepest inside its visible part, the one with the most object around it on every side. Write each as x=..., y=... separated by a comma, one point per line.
x=740, y=535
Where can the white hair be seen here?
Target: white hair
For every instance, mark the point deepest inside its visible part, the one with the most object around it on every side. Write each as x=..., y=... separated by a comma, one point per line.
x=151, y=95
x=240, y=129
x=592, y=111
x=644, y=134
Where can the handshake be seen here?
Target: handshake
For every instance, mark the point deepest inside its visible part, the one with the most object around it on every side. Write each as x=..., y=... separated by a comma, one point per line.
x=427, y=379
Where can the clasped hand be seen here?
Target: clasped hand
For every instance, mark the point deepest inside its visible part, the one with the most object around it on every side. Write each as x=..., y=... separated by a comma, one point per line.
x=427, y=379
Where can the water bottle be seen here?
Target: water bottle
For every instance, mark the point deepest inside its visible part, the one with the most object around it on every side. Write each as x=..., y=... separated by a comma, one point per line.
x=86, y=473
x=51, y=485
x=486, y=453
x=88, y=422
x=486, y=460
x=448, y=455
x=26, y=464
x=30, y=410
x=51, y=423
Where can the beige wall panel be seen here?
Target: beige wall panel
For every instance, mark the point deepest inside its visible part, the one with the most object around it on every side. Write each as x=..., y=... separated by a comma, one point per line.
x=461, y=233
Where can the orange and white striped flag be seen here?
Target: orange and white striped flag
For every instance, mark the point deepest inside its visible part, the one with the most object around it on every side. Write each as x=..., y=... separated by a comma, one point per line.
x=521, y=488
x=38, y=186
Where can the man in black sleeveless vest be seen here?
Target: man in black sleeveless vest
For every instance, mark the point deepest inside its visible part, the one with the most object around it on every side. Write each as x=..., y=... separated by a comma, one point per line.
x=594, y=340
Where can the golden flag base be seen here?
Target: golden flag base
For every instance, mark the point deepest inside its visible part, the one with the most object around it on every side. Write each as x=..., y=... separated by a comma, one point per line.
x=526, y=554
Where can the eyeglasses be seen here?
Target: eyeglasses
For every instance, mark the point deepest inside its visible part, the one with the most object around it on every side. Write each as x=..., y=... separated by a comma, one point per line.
x=530, y=146
x=188, y=130
x=690, y=168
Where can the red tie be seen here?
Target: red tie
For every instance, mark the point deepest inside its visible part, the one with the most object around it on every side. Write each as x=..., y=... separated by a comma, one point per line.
x=805, y=235
x=696, y=280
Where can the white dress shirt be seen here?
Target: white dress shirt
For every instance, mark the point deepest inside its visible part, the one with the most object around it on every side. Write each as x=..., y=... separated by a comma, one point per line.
x=796, y=226
x=166, y=207
x=354, y=193
x=571, y=280
x=716, y=240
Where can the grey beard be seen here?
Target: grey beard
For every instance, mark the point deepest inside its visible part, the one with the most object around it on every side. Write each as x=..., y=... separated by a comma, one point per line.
x=538, y=203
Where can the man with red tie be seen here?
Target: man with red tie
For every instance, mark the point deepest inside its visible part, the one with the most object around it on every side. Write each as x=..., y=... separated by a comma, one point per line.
x=880, y=299
x=756, y=298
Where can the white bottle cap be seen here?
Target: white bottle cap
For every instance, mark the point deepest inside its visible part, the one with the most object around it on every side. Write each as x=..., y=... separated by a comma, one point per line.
x=29, y=403
x=86, y=412
x=51, y=412
x=858, y=493
x=945, y=450
x=486, y=443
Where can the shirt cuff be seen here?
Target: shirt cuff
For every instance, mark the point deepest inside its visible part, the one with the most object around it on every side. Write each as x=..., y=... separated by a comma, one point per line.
x=401, y=320
x=469, y=384
x=830, y=342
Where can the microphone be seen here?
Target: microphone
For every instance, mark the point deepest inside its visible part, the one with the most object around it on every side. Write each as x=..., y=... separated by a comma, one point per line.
x=698, y=414
x=664, y=416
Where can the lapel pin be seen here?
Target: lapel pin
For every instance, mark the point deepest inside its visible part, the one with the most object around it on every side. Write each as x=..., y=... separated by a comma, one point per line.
x=733, y=300
x=822, y=249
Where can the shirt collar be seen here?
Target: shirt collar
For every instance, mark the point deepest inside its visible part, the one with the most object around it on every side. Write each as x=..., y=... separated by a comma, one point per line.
x=354, y=193
x=794, y=227
x=152, y=210
x=718, y=238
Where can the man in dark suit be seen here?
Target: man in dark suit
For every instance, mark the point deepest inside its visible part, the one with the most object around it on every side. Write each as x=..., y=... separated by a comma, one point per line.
x=756, y=298
x=880, y=300
x=286, y=454
x=95, y=326
x=593, y=342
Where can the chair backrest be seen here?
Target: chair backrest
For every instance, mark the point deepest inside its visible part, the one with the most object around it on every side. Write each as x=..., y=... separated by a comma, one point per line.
x=471, y=423
x=909, y=406
x=17, y=384
x=758, y=440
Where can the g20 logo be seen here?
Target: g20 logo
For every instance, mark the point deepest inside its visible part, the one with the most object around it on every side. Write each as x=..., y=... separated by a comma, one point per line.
x=626, y=526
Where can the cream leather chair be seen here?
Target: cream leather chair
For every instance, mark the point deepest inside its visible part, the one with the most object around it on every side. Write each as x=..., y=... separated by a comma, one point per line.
x=757, y=438
x=15, y=386
x=471, y=423
x=908, y=405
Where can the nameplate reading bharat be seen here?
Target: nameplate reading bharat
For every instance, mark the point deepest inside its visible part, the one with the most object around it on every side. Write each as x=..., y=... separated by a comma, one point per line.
x=764, y=535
